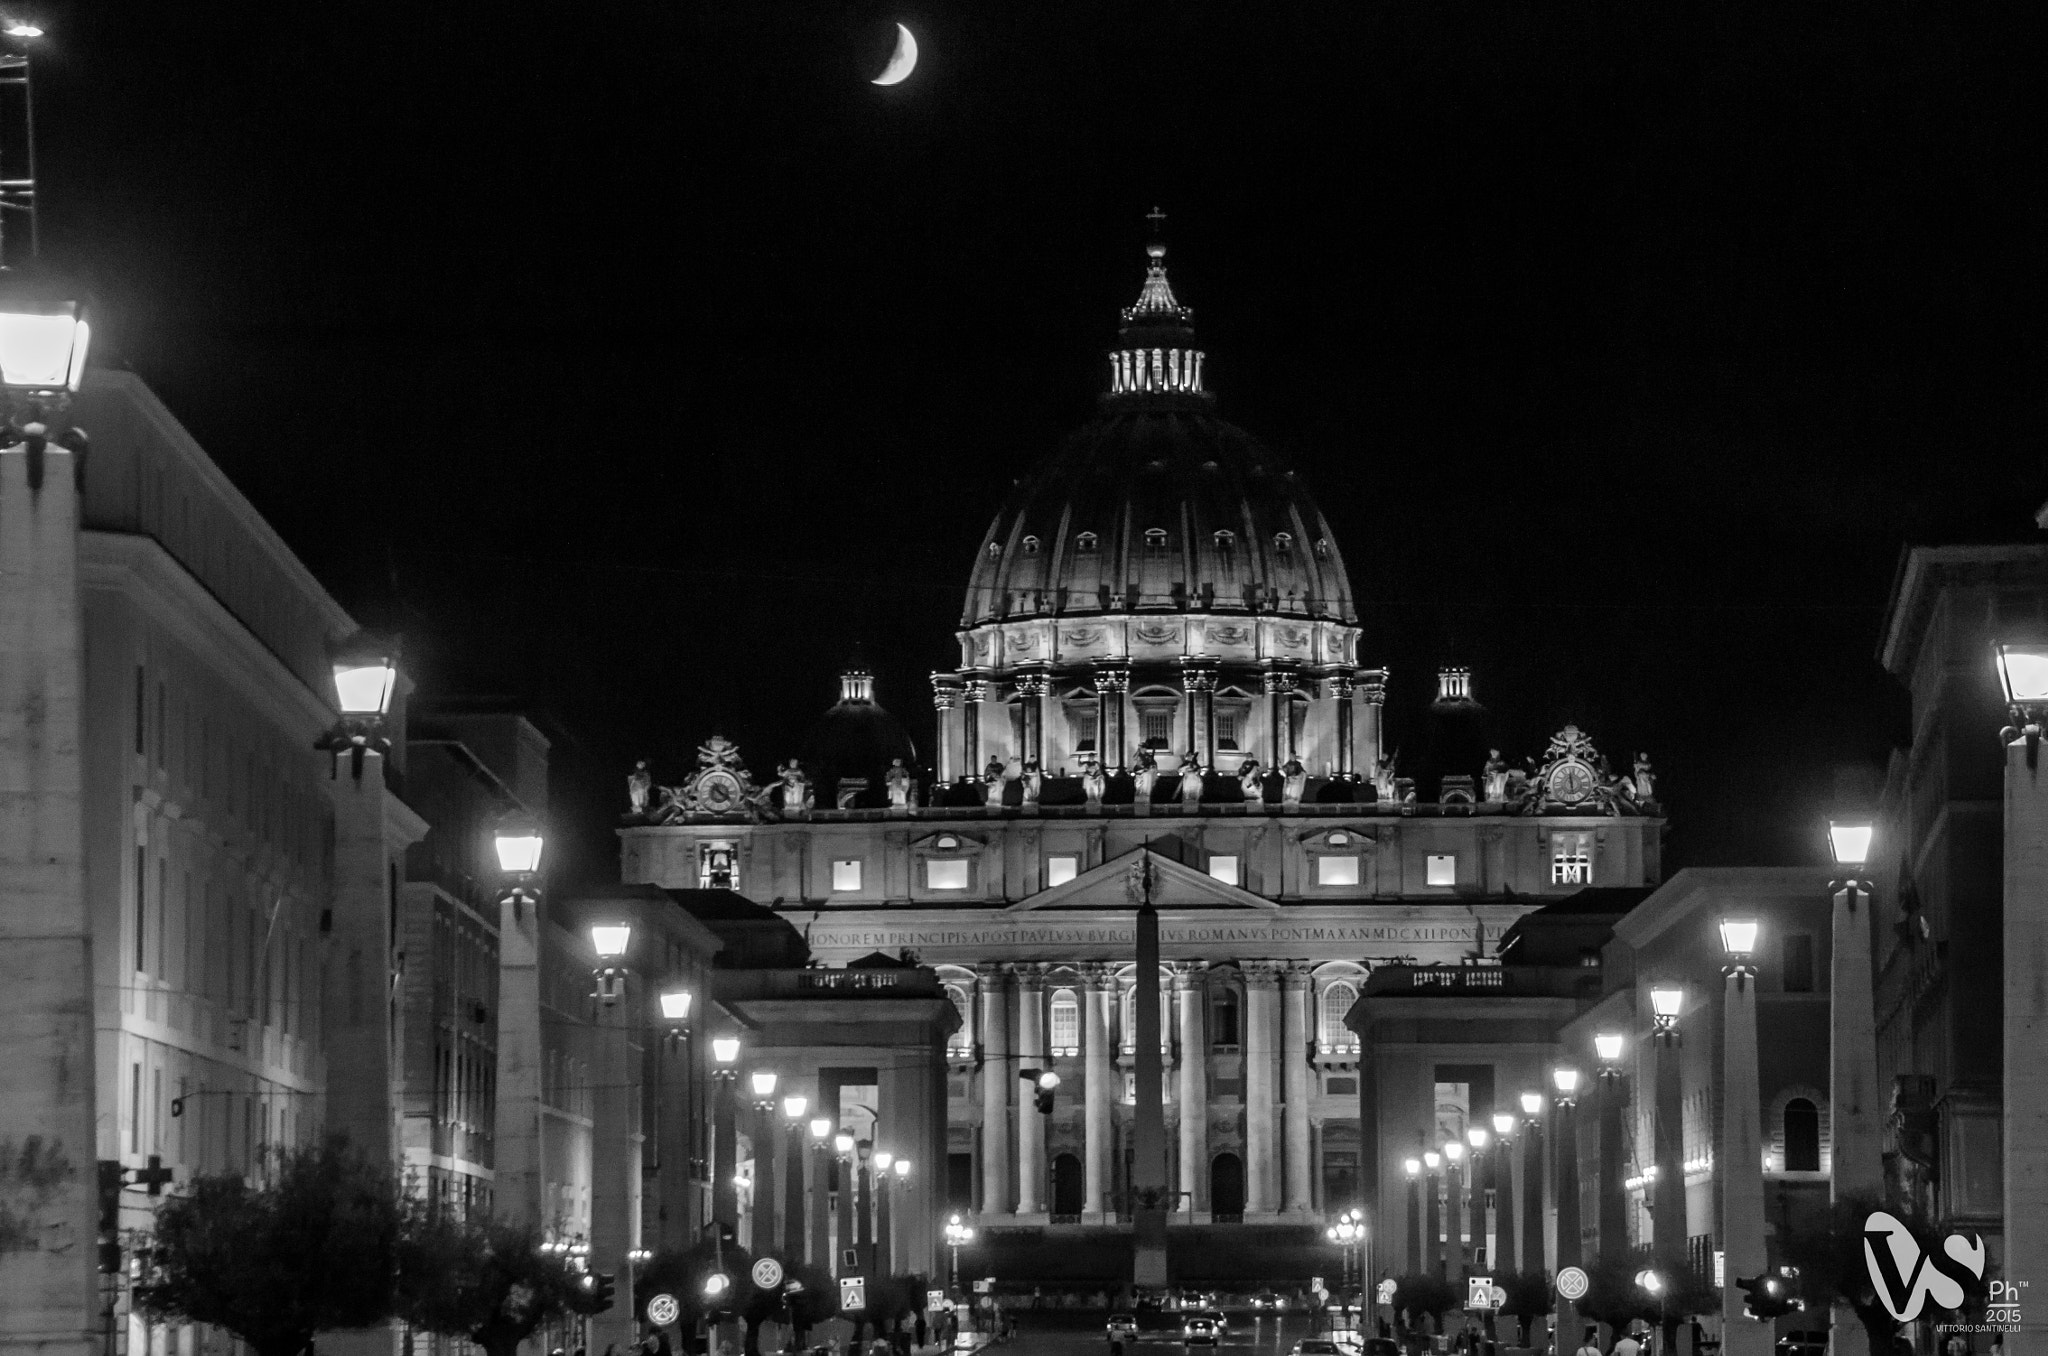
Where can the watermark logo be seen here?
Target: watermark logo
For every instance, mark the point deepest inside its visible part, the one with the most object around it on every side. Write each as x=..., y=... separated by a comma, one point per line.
x=1906, y=1276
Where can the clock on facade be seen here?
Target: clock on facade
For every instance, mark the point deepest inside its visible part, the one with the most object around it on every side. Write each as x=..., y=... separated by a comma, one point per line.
x=1571, y=782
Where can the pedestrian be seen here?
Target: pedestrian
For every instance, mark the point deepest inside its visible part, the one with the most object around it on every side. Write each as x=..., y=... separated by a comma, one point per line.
x=921, y=1331
x=1591, y=1346
x=1626, y=1345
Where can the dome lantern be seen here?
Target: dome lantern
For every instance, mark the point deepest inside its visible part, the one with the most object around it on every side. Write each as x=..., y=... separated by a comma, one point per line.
x=1156, y=354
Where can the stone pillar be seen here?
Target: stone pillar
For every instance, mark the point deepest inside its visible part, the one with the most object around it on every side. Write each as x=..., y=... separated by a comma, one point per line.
x=1564, y=1149
x=998, y=1072
x=362, y=1039
x=1198, y=680
x=1505, y=1181
x=1294, y=1085
x=1613, y=1095
x=48, y=1117
x=1031, y=690
x=1030, y=1121
x=1341, y=694
x=1372, y=693
x=1432, y=1221
x=1856, y=1114
x=1149, y=1195
x=1741, y=1168
x=615, y=1154
x=1411, y=1264
x=1667, y=1193
x=820, y=1250
x=973, y=695
x=1279, y=687
x=517, y=1191
x=2026, y=1028
x=946, y=700
x=767, y=1139
x=1098, y=1089
x=793, y=1244
x=1191, y=991
x=1454, y=1219
x=725, y=1158
x=1261, y=1098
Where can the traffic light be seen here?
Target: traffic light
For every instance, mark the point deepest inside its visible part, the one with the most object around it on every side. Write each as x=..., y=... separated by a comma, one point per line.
x=604, y=1291
x=1043, y=1082
x=1770, y=1296
x=112, y=1177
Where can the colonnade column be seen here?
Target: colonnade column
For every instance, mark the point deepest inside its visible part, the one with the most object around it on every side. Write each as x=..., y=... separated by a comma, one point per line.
x=998, y=1071
x=1294, y=1084
x=1262, y=1038
x=975, y=692
x=1373, y=692
x=1110, y=686
x=1030, y=1121
x=1191, y=989
x=946, y=700
x=1098, y=1084
x=1340, y=693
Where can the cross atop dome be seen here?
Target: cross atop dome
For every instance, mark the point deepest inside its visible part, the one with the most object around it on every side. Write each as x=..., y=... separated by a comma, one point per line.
x=1156, y=299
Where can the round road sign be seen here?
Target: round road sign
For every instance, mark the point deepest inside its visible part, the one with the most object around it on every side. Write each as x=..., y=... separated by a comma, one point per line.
x=767, y=1273
x=1386, y=1292
x=1572, y=1283
x=1500, y=1297
x=663, y=1310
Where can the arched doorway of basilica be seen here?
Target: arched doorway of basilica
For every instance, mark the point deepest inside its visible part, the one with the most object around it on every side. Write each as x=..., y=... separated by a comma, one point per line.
x=1226, y=1186
x=1068, y=1186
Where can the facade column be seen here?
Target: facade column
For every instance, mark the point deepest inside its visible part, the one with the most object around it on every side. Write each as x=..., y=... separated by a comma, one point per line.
x=1261, y=1099
x=1294, y=1085
x=1278, y=684
x=1030, y=1121
x=1341, y=694
x=1192, y=992
x=946, y=700
x=1372, y=694
x=1111, y=747
x=973, y=695
x=1098, y=1089
x=1741, y=1172
x=1031, y=690
x=998, y=1072
x=1198, y=681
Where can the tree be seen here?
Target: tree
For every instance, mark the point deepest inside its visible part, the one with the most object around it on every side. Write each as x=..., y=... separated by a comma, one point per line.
x=312, y=1248
x=493, y=1283
x=1528, y=1294
x=1613, y=1297
x=1832, y=1269
x=1423, y=1295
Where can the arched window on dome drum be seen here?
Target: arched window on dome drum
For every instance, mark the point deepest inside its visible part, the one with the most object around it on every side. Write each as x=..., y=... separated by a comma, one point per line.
x=1283, y=542
x=1031, y=546
x=1226, y=541
x=995, y=548
x=961, y=1042
x=1155, y=541
x=1086, y=543
x=1337, y=1000
x=1066, y=1023
x=1322, y=548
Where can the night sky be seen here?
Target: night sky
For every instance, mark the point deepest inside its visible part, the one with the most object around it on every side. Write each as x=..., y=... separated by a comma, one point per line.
x=639, y=359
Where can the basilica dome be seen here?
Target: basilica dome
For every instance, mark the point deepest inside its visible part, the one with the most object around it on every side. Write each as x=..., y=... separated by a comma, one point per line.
x=1157, y=505
x=857, y=739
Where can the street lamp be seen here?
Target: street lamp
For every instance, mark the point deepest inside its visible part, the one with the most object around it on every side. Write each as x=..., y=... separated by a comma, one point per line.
x=725, y=1053
x=957, y=1235
x=43, y=341
x=1849, y=840
x=2023, y=673
x=1564, y=1173
x=1566, y=1080
x=1665, y=1002
x=902, y=1168
x=365, y=670
x=1607, y=1045
x=1742, y=1175
x=518, y=841
x=2023, y=933
x=762, y=1081
x=1738, y=940
x=609, y=941
x=675, y=1010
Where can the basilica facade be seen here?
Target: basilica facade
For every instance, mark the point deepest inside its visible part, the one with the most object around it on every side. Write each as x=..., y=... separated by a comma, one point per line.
x=1164, y=694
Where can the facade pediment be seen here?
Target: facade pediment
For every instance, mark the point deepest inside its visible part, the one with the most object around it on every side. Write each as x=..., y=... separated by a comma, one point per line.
x=1114, y=885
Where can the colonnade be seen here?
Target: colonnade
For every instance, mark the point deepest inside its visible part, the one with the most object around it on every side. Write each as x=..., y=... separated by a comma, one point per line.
x=1274, y=1049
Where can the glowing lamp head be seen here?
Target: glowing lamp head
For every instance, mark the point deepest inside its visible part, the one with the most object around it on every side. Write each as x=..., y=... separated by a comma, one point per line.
x=1565, y=1079
x=43, y=332
x=901, y=1167
x=1048, y=1080
x=1607, y=1045
x=1432, y=1160
x=610, y=940
x=1849, y=840
x=1412, y=1166
x=821, y=1129
x=365, y=671
x=1738, y=936
x=725, y=1049
x=1477, y=1136
x=883, y=1158
x=22, y=28
x=762, y=1081
x=843, y=1142
x=2023, y=670
x=1454, y=1150
x=1503, y=1123
x=1532, y=1104
x=675, y=1005
x=716, y=1284
x=1666, y=1000
x=795, y=1105
x=1650, y=1281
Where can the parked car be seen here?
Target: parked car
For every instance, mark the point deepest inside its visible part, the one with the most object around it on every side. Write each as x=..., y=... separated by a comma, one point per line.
x=1382, y=1346
x=1200, y=1331
x=1317, y=1346
x=1123, y=1327
x=1216, y=1316
x=1803, y=1344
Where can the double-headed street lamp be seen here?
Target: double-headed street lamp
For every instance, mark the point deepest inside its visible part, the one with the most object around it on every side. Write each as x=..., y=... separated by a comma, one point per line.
x=1348, y=1233
x=957, y=1235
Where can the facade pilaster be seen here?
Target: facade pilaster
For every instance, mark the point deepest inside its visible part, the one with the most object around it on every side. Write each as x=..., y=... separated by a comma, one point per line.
x=946, y=692
x=1261, y=1102
x=1294, y=989
x=998, y=1071
x=1111, y=743
x=1030, y=1121
x=1098, y=1088
x=1191, y=993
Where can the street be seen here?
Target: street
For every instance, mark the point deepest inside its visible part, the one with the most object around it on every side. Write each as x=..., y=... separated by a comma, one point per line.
x=1052, y=1332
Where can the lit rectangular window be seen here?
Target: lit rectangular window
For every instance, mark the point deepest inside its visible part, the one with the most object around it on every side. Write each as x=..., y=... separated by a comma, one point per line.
x=1571, y=858
x=846, y=875
x=1337, y=870
x=1158, y=725
x=1223, y=868
x=941, y=875
x=1441, y=869
x=1060, y=870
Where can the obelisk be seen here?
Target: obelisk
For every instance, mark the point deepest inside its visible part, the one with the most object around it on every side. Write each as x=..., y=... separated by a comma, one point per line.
x=1149, y=1196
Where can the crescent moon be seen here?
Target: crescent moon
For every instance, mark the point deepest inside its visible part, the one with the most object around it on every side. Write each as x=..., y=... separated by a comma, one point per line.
x=902, y=61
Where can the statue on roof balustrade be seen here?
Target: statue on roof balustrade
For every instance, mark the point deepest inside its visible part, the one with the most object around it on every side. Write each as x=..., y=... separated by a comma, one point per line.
x=1190, y=780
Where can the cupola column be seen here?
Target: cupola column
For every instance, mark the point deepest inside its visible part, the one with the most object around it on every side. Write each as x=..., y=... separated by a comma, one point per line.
x=1198, y=679
x=946, y=700
x=1279, y=684
x=1340, y=694
x=1372, y=691
x=975, y=692
x=1110, y=747
x=1031, y=690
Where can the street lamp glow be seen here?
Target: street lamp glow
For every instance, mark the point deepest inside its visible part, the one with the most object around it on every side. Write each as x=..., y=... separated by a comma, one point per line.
x=902, y=1168
x=519, y=843
x=1565, y=1079
x=821, y=1129
x=1738, y=936
x=609, y=940
x=795, y=1105
x=1411, y=1166
x=843, y=1142
x=43, y=339
x=365, y=672
x=883, y=1158
x=1665, y=1001
x=1477, y=1137
x=2023, y=669
x=1532, y=1104
x=725, y=1049
x=1650, y=1281
x=675, y=1005
x=1048, y=1080
x=715, y=1284
x=1849, y=840
x=1503, y=1123
x=763, y=1082
x=1454, y=1150
x=1607, y=1045
x=1433, y=1160
x=22, y=28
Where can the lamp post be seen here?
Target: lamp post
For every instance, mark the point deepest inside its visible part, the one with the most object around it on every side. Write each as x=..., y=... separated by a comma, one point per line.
x=1742, y=1174
x=794, y=1105
x=1564, y=1155
x=819, y=1252
x=847, y=1257
x=519, y=1190
x=725, y=1200
x=1530, y=1175
x=1413, y=1168
x=2023, y=672
x=864, y=1205
x=1856, y=1115
x=1504, y=1170
x=1613, y=1221
x=1478, y=1137
x=1667, y=1186
x=47, y=1064
x=767, y=1149
x=1432, y=1215
x=1454, y=1208
x=616, y=1180
x=882, y=1160
x=957, y=1235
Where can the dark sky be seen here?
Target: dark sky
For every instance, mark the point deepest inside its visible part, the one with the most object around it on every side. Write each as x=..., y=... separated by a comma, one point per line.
x=639, y=358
